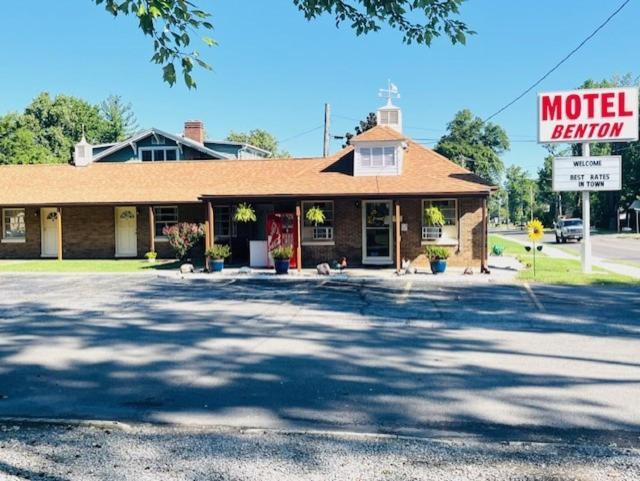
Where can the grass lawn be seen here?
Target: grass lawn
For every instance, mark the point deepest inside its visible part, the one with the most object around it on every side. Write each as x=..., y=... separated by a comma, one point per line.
x=551, y=270
x=90, y=265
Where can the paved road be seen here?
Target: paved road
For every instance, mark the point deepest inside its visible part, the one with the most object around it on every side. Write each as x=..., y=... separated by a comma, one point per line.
x=604, y=246
x=381, y=356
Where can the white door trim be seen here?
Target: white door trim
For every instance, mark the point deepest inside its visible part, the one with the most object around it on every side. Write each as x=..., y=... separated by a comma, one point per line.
x=132, y=250
x=44, y=212
x=376, y=260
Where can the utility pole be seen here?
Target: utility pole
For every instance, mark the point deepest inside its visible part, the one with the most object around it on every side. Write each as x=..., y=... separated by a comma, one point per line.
x=327, y=125
x=531, y=198
x=559, y=205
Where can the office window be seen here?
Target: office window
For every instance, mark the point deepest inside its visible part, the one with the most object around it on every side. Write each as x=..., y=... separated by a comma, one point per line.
x=13, y=225
x=166, y=216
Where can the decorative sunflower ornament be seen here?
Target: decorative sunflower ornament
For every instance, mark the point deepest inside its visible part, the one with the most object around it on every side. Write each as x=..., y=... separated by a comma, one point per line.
x=535, y=230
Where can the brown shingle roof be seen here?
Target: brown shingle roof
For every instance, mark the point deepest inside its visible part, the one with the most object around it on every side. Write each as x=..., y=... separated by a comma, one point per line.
x=379, y=133
x=425, y=173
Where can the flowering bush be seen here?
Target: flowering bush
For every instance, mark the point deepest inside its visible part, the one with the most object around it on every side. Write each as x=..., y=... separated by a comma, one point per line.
x=182, y=237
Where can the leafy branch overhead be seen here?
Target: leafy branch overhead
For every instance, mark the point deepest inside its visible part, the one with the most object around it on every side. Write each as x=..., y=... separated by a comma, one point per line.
x=433, y=17
x=172, y=23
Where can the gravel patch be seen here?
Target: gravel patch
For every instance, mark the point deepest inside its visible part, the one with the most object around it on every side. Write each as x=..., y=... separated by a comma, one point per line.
x=140, y=453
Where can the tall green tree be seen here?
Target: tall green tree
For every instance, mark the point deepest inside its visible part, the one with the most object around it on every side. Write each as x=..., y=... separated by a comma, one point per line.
x=259, y=138
x=59, y=122
x=519, y=187
x=18, y=143
x=368, y=123
x=49, y=127
x=120, y=120
x=476, y=145
x=170, y=24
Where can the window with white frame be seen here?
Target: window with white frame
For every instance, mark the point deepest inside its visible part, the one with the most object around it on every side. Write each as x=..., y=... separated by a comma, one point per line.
x=322, y=232
x=449, y=209
x=157, y=154
x=165, y=216
x=378, y=156
x=224, y=225
x=13, y=225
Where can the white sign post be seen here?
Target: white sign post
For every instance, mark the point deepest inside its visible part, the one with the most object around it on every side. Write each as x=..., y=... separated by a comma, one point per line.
x=583, y=116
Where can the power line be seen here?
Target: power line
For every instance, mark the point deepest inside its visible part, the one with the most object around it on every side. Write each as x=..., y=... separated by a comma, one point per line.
x=301, y=134
x=556, y=66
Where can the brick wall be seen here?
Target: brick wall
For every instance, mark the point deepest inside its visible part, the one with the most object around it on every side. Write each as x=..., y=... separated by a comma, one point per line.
x=30, y=249
x=348, y=235
x=195, y=213
x=468, y=253
x=89, y=232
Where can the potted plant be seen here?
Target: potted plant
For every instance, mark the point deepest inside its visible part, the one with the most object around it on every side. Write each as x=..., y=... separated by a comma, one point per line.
x=218, y=253
x=183, y=237
x=437, y=256
x=434, y=220
x=281, y=258
x=244, y=213
x=316, y=216
x=151, y=256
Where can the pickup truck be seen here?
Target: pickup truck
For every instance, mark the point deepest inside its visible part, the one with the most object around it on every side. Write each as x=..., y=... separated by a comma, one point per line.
x=568, y=229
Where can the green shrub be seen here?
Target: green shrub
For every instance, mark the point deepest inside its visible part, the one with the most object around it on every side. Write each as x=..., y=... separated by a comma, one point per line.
x=218, y=251
x=282, y=252
x=151, y=255
x=182, y=237
x=435, y=253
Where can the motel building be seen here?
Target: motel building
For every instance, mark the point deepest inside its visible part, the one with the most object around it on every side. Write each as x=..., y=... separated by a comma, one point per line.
x=114, y=200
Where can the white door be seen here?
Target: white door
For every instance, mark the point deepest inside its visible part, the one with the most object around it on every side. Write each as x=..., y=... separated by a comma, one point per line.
x=49, y=232
x=377, y=232
x=126, y=232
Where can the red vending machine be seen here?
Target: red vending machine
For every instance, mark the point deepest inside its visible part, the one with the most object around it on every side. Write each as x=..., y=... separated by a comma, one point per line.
x=281, y=231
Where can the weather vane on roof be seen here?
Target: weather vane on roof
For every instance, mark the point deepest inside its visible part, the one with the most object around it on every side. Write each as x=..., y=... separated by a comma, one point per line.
x=390, y=92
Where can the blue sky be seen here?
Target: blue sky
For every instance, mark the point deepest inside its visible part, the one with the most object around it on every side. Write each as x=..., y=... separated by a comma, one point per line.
x=275, y=70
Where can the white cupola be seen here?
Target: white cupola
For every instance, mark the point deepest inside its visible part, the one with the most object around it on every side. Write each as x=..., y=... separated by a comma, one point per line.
x=83, y=153
x=380, y=150
x=390, y=115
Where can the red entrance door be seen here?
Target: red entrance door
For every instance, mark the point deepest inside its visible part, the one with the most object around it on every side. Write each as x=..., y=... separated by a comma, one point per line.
x=281, y=231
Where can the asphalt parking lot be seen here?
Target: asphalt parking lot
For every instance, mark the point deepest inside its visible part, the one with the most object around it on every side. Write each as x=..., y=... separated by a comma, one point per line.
x=486, y=361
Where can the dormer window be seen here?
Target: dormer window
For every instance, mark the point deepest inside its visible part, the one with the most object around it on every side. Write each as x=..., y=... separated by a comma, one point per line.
x=378, y=156
x=157, y=154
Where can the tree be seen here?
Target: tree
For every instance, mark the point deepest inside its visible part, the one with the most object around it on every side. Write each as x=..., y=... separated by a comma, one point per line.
x=364, y=125
x=476, y=145
x=120, y=121
x=49, y=127
x=18, y=143
x=519, y=187
x=259, y=138
x=171, y=23
x=59, y=122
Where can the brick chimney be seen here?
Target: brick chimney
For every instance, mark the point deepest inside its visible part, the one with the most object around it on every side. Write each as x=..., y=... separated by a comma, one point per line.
x=194, y=130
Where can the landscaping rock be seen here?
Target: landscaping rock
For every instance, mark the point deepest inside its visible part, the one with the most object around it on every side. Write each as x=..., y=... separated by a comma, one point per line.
x=187, y=269
x=324, y=269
